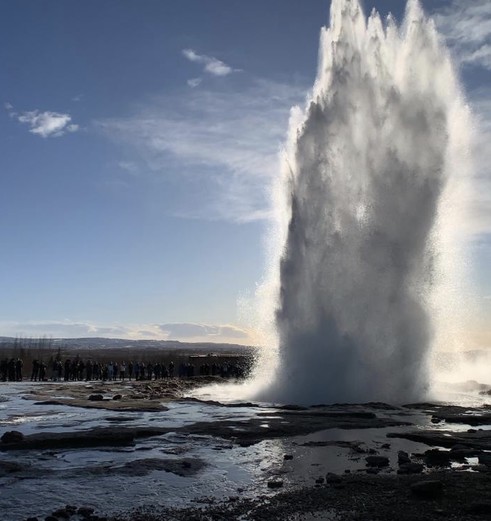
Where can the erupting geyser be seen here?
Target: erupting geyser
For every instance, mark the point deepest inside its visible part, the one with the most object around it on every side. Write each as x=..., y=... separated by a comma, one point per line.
x=368, y=163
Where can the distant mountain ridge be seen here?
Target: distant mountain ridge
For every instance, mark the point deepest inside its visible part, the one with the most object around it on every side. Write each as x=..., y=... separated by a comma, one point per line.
x=120, y=343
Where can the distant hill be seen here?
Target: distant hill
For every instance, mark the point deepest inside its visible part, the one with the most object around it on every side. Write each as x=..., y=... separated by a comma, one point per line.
x=119, y=343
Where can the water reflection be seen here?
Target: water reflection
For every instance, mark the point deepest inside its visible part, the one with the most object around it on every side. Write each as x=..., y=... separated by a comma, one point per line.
x=52, y=478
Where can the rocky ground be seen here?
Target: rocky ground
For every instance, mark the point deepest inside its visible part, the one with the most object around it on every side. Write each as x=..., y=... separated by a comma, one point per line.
x=117, y=396
x=449, y=479
x=451, y=495
x=443, y=495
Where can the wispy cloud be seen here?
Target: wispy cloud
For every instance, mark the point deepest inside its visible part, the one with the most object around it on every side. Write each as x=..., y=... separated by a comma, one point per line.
x=210, y=64
x=467, y=28
x=60, y=329
x=44, y=124
x=187, y=332
x=128, y=166
x=194, y=82
x=224, y=142
x=190, y=330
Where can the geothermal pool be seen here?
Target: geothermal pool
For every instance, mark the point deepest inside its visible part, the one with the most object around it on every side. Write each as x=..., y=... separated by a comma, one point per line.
x=194, y=460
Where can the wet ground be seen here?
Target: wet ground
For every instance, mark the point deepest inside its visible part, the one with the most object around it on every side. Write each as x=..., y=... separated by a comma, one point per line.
x=151, y=453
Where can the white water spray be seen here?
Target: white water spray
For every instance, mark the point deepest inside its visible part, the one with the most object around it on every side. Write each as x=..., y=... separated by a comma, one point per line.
x=366, y=212
x=365, y=260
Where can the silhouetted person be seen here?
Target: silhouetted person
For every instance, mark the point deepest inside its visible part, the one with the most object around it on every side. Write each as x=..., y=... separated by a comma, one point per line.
x=42, y=372
x=122, y=371
x=35, y=371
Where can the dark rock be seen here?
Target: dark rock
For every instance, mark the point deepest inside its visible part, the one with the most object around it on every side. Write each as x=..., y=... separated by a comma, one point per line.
x=411, y=468
x=319, y=481
x=485, y=458
x=117, y=397
x=71, y=509
x=386, y=446
x=12, y=437
x=142, y=467
x=470, y=419
x=333, y=478
x=458, y=446
x=477, y=440
x=9, y=467
x=435, y=419
x=480, y=508
x=373, y=470
x=461, y=454
x=275, y=484
x=372, y=451
x=50, y=518
x=403, y=458
x=85, y=511
x=438, y=458
x=61, y=513
x=32, y=519
x=377, y=461
x=96, y=398
x=96, y=437
x=429, y=489
x=288, y=456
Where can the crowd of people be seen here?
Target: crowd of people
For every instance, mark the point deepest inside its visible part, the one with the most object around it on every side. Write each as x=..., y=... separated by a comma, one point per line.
x=76, y=369
x=11, y=369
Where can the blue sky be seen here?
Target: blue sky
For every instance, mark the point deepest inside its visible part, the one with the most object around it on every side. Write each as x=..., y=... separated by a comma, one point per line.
x=138, y=144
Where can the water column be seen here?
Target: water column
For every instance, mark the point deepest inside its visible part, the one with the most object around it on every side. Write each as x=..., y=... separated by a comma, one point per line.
x=365, y=174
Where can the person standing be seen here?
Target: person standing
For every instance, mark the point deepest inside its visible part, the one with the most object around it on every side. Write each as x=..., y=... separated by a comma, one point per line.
x=122, y=370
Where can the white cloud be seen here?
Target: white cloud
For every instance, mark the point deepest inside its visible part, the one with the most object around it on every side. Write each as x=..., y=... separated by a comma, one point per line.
x=128, y=166
x=194, y=82
x=224, y=142
x=60, y=329
x=187, y=332
x=467, y=28
x=190, y=330
x=44, y=124
x=211, y=65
